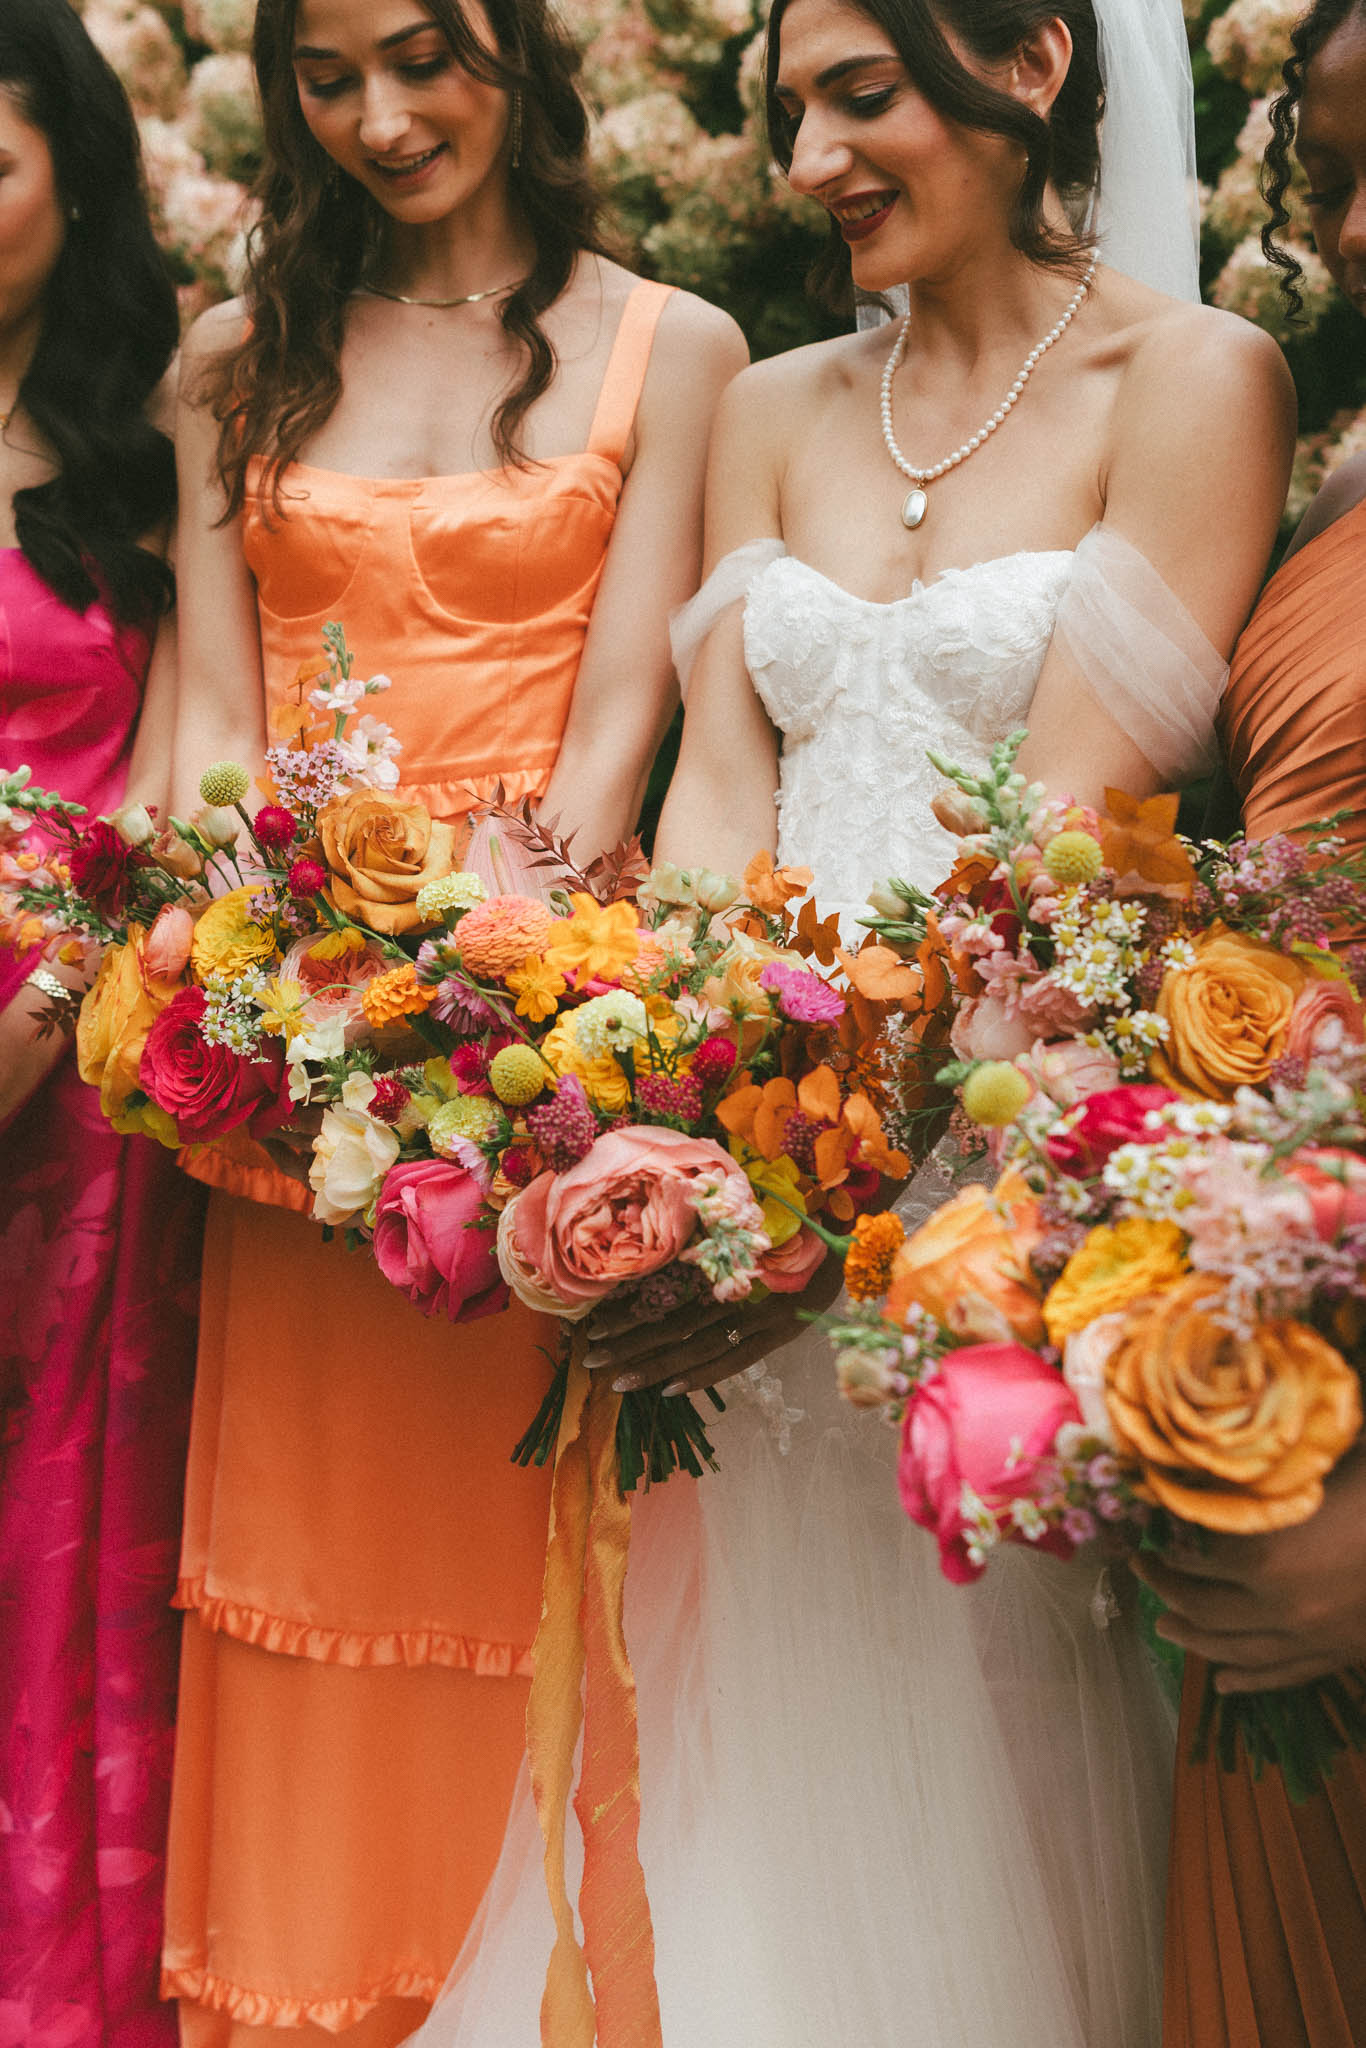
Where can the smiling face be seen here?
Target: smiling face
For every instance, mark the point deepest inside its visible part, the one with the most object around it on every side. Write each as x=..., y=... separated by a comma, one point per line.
x=32, y=219
x=384, y=95
x=915, y=194
x=1331, y=144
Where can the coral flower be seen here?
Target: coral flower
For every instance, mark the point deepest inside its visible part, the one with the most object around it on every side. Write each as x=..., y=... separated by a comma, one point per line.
x=537, y=987
x=501, y=934
x=599, y=942
x=397, y=993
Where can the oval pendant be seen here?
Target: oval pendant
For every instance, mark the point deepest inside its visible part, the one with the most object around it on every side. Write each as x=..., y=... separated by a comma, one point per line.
x=915, y=508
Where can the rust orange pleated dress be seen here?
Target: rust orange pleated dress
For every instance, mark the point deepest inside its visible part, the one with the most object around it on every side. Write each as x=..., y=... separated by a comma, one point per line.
x=1266, y=1915
x=362, y=1563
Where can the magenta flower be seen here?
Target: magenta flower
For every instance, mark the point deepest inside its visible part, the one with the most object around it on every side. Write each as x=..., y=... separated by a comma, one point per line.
x=802, y=997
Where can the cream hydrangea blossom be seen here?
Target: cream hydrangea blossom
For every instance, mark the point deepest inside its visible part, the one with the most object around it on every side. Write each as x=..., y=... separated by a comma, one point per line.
x=223, y=115
x=1249, y=285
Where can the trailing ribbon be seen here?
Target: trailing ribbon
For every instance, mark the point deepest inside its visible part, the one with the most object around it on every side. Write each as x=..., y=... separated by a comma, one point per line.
x=582, y=1677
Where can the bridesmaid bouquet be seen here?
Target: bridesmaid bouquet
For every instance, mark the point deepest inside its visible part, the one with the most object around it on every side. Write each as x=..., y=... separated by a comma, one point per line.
x=642, y=1090
x=1156, y=1311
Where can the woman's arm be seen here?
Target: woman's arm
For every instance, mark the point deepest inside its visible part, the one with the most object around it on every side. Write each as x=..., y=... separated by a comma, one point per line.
x=220, y=713
x=624, y=694
x=1203, y=438
x=721, y=803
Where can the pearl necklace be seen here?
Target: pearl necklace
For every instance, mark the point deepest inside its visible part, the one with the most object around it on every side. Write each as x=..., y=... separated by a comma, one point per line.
x=917, y=502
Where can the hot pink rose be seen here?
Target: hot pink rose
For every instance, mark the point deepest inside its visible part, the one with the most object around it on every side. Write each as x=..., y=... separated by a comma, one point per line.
x=1335, y=1183
x=624, y=1210
x=209, y=1089
x=1114, y=1117
x=787, y=1269
x=435, y=1240
x=166, y=953
x=983, y=1419
x=1326, y=1016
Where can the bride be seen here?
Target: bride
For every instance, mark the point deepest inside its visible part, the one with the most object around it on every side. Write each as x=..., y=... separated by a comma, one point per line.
x=879, y=1811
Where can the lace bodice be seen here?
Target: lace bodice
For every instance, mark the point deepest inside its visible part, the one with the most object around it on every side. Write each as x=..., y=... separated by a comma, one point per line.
x=859, y=691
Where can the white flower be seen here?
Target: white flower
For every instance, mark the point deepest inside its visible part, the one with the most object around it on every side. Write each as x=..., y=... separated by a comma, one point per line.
x=344, y=694
x=611, y=1023
x=321, y=1039
x=460, y=891
x=369, y=753
x=352, y=1154
x=1084, y=1356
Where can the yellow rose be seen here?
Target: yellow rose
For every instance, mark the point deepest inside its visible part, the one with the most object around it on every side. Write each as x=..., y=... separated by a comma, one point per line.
x=1117, y=1263
x=381, y=851
x=1228, y=1015
x=1233, y=1432
x=118, y=1011
x=968, y=1266
x=227, y=941
x=734, y=982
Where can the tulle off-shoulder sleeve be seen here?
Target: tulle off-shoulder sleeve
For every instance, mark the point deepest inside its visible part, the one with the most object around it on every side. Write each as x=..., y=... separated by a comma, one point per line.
x=1143, y=655
x=728, y=582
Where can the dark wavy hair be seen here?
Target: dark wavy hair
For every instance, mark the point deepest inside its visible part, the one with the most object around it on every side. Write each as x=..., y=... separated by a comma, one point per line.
x=109, y=329
x=1307, y=38
x=1062, y=151
x=318, y=229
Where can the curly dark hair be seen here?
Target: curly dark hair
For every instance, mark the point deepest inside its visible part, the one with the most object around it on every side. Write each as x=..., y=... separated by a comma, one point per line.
x=319, y=229
x=1307, y=38
x=1062, y=151
x=109, y=329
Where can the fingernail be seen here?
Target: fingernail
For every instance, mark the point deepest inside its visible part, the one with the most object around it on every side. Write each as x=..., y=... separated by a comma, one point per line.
x=594, y=1356
x=624, y=1385
x=676, y=1387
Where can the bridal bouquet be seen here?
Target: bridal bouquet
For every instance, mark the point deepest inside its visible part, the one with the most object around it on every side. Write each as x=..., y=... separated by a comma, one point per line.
x=1157, y=1309
x=611, y=1095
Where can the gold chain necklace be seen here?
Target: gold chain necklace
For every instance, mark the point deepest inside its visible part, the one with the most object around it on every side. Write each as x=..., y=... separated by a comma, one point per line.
x=377, y=291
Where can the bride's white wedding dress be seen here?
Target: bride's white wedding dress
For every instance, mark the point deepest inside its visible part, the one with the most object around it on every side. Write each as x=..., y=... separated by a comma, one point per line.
x=878, y=1811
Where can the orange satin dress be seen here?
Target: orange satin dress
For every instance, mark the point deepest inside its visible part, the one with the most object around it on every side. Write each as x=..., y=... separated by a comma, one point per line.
x=1266, y=1912
x=362, y=1564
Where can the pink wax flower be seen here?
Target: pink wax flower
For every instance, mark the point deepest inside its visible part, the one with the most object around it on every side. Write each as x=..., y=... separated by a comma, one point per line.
x=429, y=1243
x=210, y=1089
x=625, y=1209
x=983, y=1421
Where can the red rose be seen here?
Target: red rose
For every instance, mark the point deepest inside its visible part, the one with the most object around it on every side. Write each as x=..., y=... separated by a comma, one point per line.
x=1114, y=1117
x=430, y=1240
x=101, y=867
x=983, y=1420
x=210, y=1089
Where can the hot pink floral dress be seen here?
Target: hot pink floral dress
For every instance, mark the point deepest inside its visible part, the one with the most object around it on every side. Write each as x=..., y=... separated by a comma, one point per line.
x=99, y=1239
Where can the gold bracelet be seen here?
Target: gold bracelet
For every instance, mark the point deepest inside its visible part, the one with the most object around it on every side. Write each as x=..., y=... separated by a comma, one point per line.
x=48, y=984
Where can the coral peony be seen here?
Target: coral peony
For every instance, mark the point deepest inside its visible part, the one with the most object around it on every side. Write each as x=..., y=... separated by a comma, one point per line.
x=976, y=1428
x=434, y=1239
x=968, y=1265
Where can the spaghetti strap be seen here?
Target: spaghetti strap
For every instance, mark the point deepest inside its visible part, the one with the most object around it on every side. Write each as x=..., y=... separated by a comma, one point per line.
x=626, y=367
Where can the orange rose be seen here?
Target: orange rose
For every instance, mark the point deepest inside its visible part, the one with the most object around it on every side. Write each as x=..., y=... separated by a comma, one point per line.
x=1235, y=1433
x=1229, y=1014
x=968, y=1266
x=118, y=1011
x=381, y=850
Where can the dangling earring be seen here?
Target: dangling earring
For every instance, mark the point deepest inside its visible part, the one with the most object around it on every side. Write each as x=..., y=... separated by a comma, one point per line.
x=74, y=214
x=515, y=127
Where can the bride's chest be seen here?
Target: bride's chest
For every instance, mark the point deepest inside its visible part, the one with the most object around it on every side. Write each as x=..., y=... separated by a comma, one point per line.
x=959, y=656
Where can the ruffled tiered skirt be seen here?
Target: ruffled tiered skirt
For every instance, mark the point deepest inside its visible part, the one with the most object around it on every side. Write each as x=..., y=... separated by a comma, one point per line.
x=361, y=1572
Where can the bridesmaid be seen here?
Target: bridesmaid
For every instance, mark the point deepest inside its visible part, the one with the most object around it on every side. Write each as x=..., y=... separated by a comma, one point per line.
x=444, y=416
x=98, y=1234
x=1266, y=1926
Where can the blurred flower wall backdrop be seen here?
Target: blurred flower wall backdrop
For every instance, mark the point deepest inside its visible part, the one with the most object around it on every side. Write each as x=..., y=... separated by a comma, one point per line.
x=676, y=85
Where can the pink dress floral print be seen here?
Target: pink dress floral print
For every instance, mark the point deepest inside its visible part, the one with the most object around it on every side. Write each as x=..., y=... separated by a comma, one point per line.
x=99, y=1242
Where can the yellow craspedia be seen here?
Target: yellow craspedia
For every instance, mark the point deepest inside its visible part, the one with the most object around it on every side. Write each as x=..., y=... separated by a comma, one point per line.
x=517, y=1074
x=1073, y=857
x=227, y=941
x=226, y=782
x=1118, y=1263
x=995, y=1093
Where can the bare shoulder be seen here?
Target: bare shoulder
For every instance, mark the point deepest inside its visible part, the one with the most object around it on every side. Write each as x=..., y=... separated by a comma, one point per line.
x=222, y=327
x=1342, y=493
x=161, y=405
x=689, y=326
x=1199, y=368
x=774, y=394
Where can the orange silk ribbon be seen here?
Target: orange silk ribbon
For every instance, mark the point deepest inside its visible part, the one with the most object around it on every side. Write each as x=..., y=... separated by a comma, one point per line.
x=582, y=1676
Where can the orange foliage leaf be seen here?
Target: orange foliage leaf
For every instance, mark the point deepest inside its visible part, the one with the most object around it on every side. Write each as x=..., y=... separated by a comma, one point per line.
x=769, y=888
x=880, y=974
x=1138, y=839
x=817, y=935
x=818, y=1096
